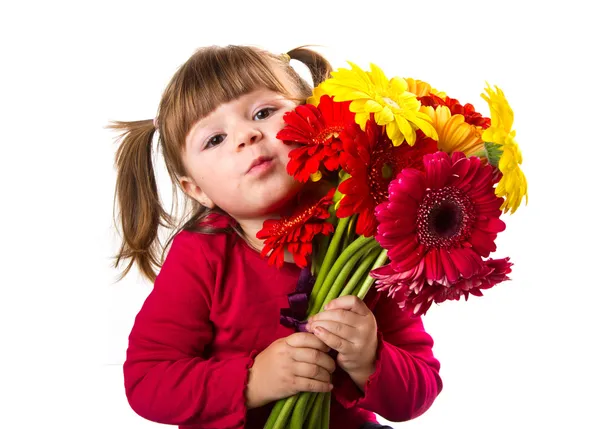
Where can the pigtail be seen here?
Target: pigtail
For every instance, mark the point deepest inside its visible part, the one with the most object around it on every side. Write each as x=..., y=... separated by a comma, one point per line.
x=141, y=212
x=320, y=68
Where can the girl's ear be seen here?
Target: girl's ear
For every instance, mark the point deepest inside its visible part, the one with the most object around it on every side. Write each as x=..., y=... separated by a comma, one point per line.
x=194, y=191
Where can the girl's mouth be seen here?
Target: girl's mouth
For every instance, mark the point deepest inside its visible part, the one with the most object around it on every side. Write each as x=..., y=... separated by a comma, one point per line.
x=260, y=164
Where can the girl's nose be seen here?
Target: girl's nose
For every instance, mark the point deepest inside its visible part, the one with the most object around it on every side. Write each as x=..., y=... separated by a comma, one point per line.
x=250, y=136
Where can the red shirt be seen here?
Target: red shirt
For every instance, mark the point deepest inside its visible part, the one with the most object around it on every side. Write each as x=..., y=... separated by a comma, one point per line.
x=215, y=305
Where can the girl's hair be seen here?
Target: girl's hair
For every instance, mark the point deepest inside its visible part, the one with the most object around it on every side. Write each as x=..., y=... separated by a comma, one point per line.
x=212, y=76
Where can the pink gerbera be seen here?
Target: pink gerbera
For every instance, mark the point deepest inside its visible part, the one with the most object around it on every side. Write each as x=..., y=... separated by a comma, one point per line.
x=437, y=226
x=492, y=272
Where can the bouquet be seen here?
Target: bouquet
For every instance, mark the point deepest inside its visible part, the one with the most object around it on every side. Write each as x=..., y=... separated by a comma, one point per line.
x=419, y=182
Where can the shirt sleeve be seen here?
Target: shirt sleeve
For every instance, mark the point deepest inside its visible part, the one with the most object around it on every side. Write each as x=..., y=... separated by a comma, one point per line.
x=406, y=380
x=167, y=377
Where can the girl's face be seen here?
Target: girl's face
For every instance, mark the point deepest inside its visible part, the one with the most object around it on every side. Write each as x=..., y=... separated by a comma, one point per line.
x=234, y=159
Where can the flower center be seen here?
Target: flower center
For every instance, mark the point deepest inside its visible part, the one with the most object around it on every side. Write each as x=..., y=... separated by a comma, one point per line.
x=388, y=162
x=387, y=171
x=380, y=174
x=390, y=102
x=445, y=218
x=328, y=134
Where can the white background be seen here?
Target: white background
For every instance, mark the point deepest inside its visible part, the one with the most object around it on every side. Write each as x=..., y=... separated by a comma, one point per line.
x=523, y=356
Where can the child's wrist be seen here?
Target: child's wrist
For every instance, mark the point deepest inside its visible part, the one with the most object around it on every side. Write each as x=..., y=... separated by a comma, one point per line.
x=360, y=376
x=253, y=397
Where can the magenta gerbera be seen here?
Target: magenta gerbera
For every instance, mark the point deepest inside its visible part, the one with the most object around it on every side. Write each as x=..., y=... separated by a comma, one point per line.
x=437, y=226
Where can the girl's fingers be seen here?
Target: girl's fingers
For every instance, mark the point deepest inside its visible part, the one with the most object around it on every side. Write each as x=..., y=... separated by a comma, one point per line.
x=309, y=370
x=315, y=357
x=307, y=340
x=341, y=345
x=349, y=302
x=346, y=332
x=338, y=315
x=302, y=384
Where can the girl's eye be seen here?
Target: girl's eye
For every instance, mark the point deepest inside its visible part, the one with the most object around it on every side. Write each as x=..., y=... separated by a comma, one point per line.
x=259, y=116
x=264, y=113
x=215, y=140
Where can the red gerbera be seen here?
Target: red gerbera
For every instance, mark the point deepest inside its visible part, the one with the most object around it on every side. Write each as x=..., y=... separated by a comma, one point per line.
x=437, y=226
x=468, y=110
x=372, y=162
x=318, y=129
x=296, y=232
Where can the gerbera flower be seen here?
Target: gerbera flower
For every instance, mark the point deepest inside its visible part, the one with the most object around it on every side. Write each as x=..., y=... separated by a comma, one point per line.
x=389, y=100
x=418, y=87
x=317, y=129
x=437, y=225
x=454, y=133
x=372, y=161
x=469, y=113
x=492, y=272
x=296, y=232
x=513, y=184
x=315, y=98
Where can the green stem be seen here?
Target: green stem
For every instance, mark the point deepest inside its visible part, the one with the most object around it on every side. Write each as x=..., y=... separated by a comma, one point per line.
x=330, y=255
x=311, y=402
x=325, y=411
x=349, y=236
x=324, y=262
x=313, y=397
x=284, y=415
x=339, y=279
x=314, y=416
x=334, y=271
x=299, y=412
x=364, y=289
x=363, y=268
x=274, y=414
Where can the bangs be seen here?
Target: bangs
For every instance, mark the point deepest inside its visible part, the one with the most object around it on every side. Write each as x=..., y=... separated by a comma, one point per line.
x=213, y=76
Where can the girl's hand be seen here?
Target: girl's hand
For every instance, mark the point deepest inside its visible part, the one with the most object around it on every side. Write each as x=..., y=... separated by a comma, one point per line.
x=348, y=326
x=297, y=363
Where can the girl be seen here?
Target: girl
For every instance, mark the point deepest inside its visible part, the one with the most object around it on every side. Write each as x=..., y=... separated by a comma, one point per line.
x=207, y=349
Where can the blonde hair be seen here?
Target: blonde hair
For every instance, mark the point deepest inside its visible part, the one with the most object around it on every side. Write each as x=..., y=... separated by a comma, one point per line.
x=211, y=76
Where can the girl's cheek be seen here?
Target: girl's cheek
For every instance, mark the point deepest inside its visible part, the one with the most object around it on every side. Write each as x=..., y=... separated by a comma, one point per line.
x=290, y=147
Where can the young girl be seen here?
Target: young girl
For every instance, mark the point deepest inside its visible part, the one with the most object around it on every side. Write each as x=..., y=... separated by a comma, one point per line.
x=207, y=349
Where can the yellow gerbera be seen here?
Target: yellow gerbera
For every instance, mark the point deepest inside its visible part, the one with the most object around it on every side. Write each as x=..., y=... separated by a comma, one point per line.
x=513, y=185
x=389, y=100
x=455, y=135
x=316, y=96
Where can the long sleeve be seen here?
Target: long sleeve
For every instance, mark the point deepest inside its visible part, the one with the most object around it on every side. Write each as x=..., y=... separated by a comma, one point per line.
x=169, y=377
x=406, y=380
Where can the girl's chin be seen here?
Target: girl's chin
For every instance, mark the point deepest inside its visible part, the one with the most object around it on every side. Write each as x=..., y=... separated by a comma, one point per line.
x=283, y=204
x=271, y=201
